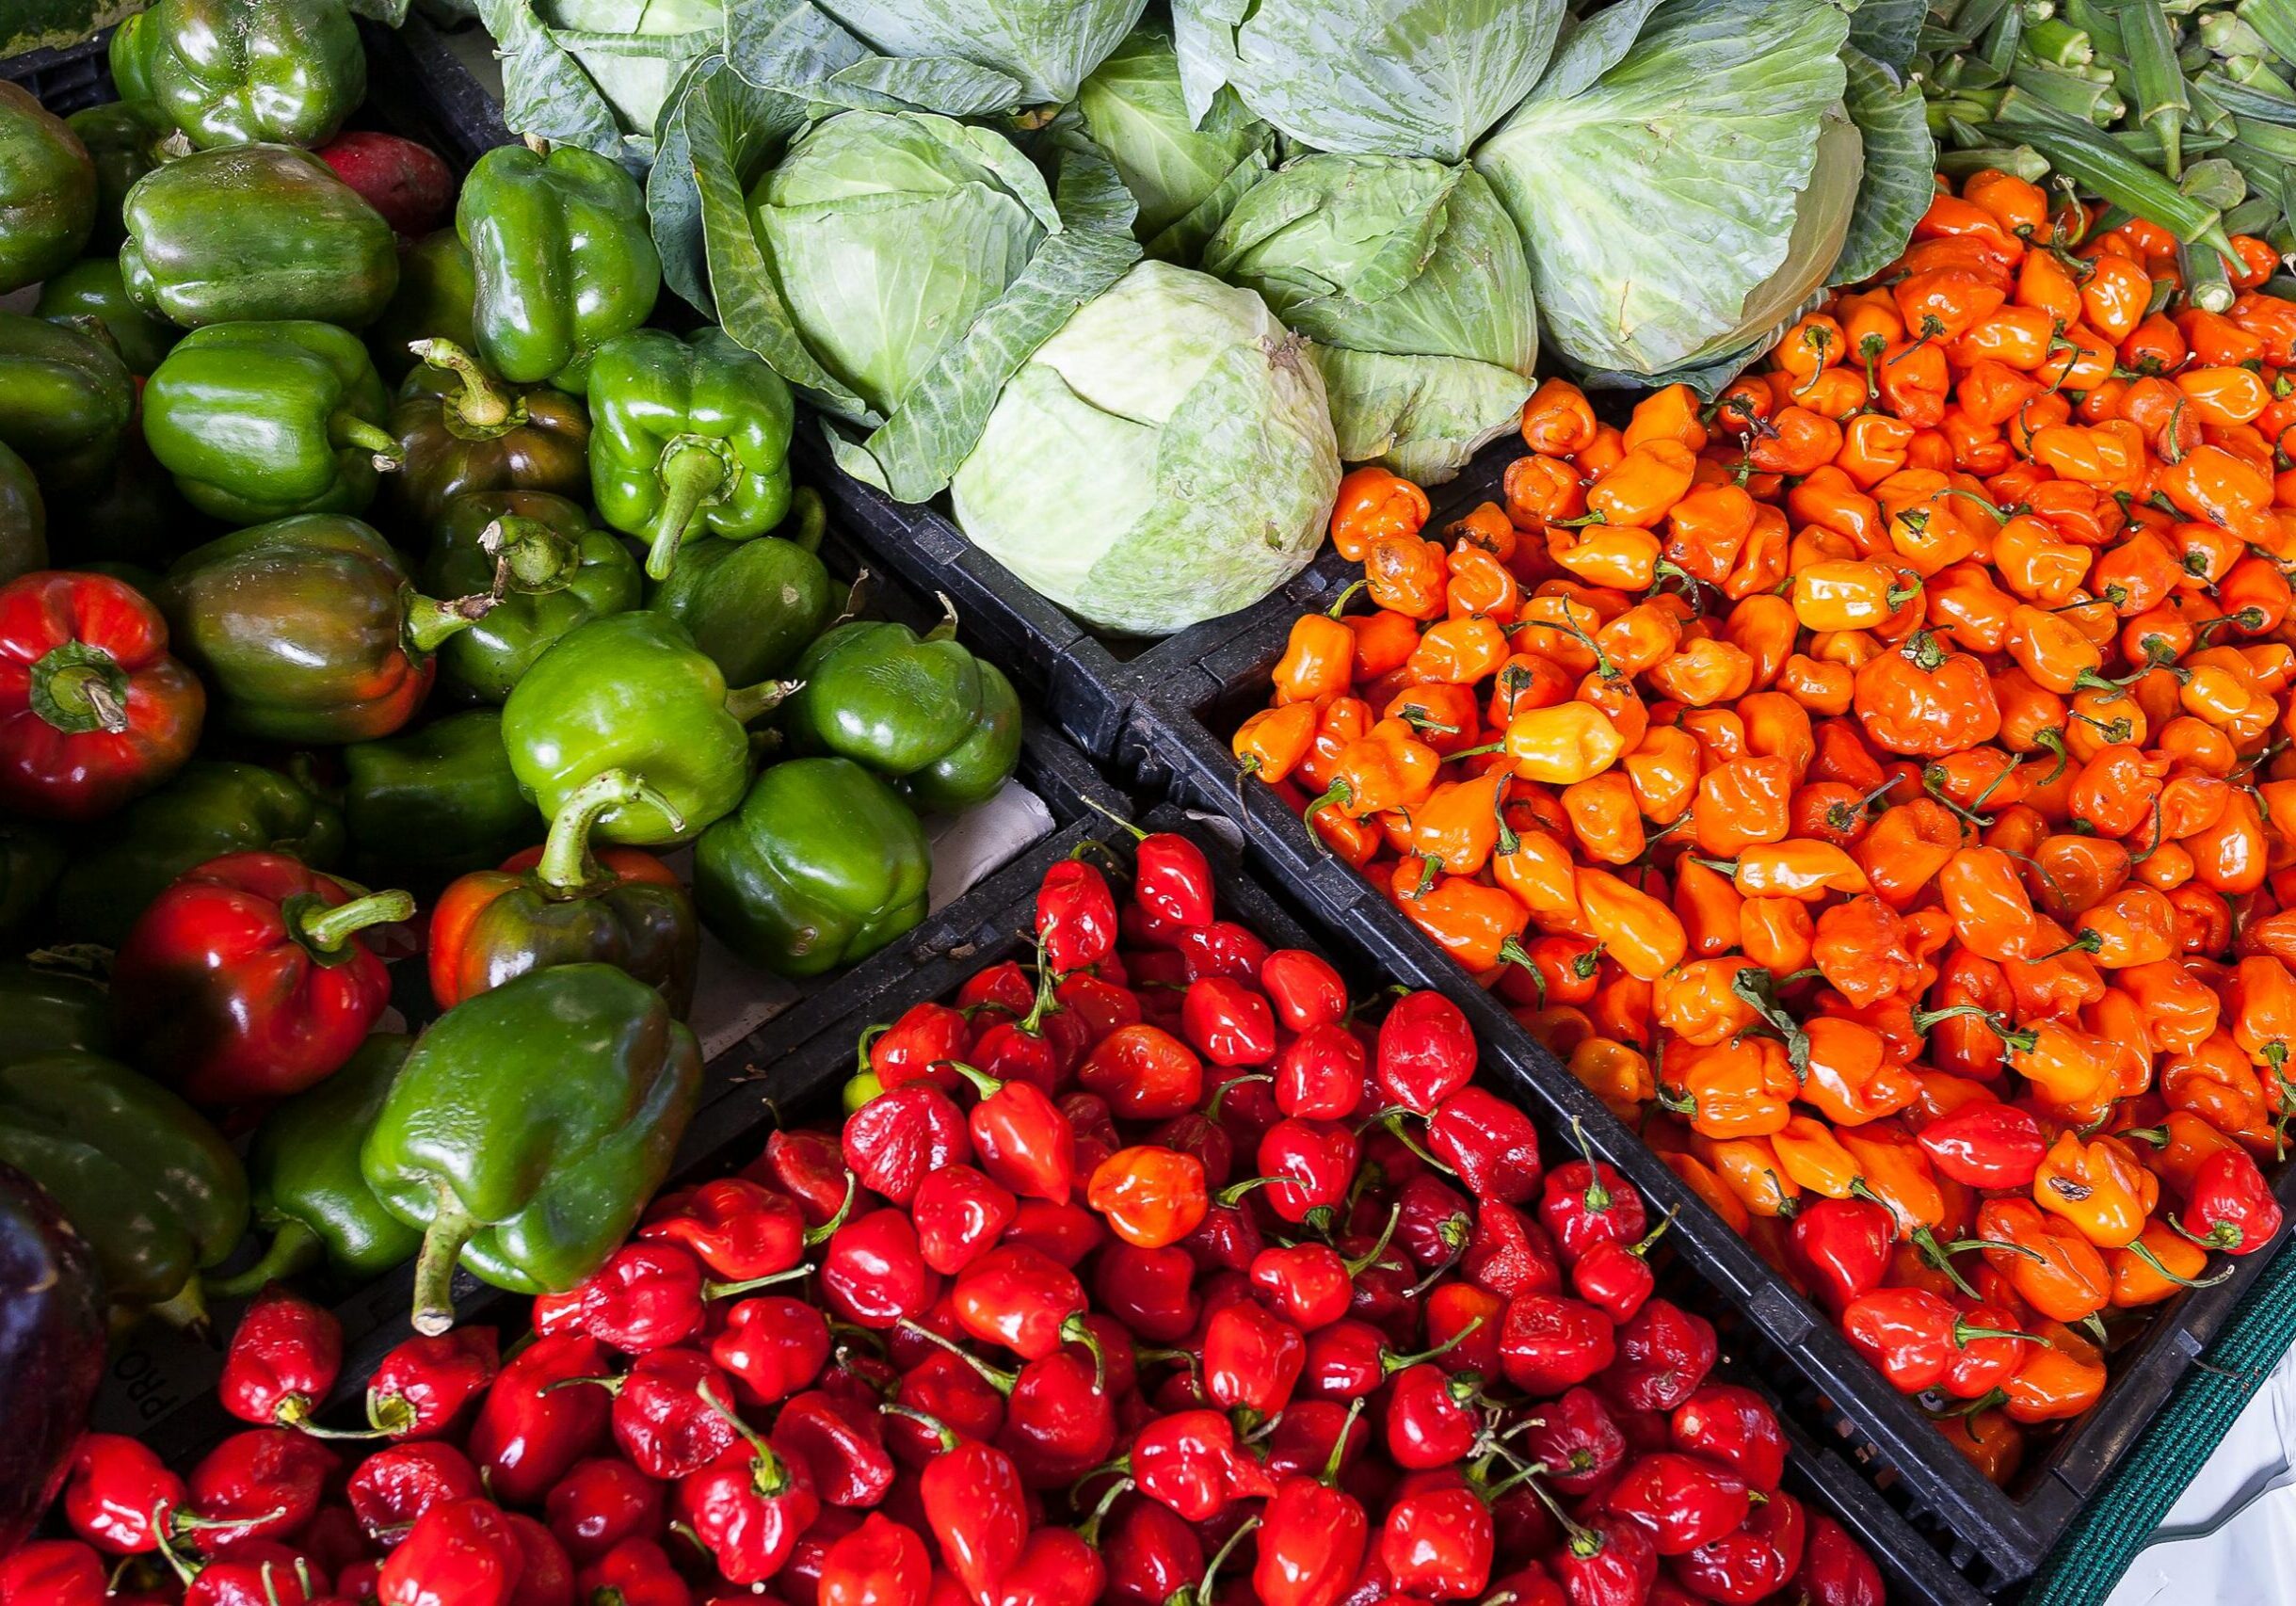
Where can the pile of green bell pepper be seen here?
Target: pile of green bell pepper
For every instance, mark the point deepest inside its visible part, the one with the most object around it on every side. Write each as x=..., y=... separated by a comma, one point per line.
x=48, y=198
x=226, y=73
x=558, y=573
x=435, y=800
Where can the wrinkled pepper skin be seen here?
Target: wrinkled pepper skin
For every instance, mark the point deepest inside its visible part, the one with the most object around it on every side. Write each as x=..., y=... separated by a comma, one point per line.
x=307, y=630
x=47, y=190
x=46, y=1012
x=65, y=400
x=563, y=256
x=823, y=865
x=23, y=518
x=255, y=231
x=92, y=288
x=31, y=858
x=562, y=572
x=242, y=72
x=752, y=605
x=461, y=430
x=920, y=711
x=51, y=1349
x=120, y=144
x=633, y=692
x=435, y=800
x=304, y=1181
x=529, y=1128
x=692, y=436
x=437, y=289
x=213, y=807
x=257, y=421
x=142, y=1175
x=560, y=904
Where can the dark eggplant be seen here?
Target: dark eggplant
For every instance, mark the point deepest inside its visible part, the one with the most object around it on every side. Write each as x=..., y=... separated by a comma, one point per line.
x=51, y=1333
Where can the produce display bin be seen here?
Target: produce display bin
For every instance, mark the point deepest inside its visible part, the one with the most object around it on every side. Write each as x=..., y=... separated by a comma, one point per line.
x=1179, y=744
x=799, y=1067
x=161, y=1386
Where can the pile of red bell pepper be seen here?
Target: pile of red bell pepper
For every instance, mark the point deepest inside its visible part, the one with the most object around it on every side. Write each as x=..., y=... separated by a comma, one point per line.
x=1161, y=1270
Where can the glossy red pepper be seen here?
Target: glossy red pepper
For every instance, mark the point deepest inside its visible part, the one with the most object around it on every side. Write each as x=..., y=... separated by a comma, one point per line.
x=1190, y=1462
x=1438, y=1541
x=839, y=1440
x=738, y=1229
x=464, y=1551
x=1021, y=1298
x=391, y=1489
x=529, y=1432
x=636, y=1572
x=1549, y=1343
x=246, y=978
x=118, y=1495
x=960, y=1214
x=1024, y=1141
x=1836, y=1570
x=922, y=1046
x=1252, y=1359
x=1426, y=1051
x=601, y=1503
x=1311, y=1544
x=771, y=1347
x=1303, y=990
x=882, y=1563
x=423, y=1387
x=1917, y=1338
x=263, y=1483
x=1489, y=1143
x=748, y=1507
x=1845, y=1244
x=662, y=1418
x=1665, y=1353
x=1683, y=1501
x=1076, y=916
x=872, y=1273
x=1985, y=1144
x=52, y=1572
x=2230, y=1206
x=902, y=1136
x=1735, y=1426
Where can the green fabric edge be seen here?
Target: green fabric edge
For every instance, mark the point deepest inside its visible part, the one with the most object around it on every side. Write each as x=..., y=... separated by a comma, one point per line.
x=2116, y=1522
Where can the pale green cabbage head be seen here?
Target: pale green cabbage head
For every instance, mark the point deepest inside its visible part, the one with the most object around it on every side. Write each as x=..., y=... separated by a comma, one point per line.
x=888, y=234
x=1164, y=459
x=1410, y=278
x=1682, y=188
x=635, y=53
x=1186, y=176
x=1046, y=47
x=1397, y=77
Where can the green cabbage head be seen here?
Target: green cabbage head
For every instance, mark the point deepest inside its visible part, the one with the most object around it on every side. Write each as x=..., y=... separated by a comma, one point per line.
x=887, y=233
x=1410, y=278
x=1164, y=459
x=1185, y=174
x=1046, y=47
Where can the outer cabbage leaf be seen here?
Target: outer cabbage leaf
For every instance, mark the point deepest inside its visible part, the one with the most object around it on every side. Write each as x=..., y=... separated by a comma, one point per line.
x=1398, y=77
x=1671, y=205
x=635, y=52
x=795, y=46
x=1184, y=176
x=1901, y=157
x=1048, y=46
x=1165, y=458
x=1411, y=278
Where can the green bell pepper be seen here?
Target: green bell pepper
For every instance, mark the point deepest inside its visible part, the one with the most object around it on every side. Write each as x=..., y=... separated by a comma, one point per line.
x=255, y=231
x=438, y=799
x=92, y=288
x=560, y=572
x=147, y=1181
x=30, y=861
x=633, y=692
x=461, y=430
x=437, y=288
x=752, y=605
x=919, y=710
x=120, y=142
x=821, y=865
x=45, y=1011
x=23, y=518
x=564, y=260
x=306, y=1185
x=47, y=190
x=213, y=807
x=240, y=72
x=693, y=435
x=65, y=400
x=529, y=1128
x=307, y=630
x=257, y=421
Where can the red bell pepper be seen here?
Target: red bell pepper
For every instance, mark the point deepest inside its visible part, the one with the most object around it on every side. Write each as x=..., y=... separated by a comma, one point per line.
x=247, y=979
x=92, y=709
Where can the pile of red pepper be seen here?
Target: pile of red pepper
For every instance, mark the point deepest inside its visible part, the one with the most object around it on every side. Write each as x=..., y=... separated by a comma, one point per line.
x=1165, y=1274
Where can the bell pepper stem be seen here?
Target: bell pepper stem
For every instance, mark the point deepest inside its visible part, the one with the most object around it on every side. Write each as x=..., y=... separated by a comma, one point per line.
x=482, y=405
x=430, y=621
x=293, y=1248
x=946, y=629
x=450, y=1229
x=326, y=930
x=78, y=689
x=566, y=869
x=747, y=703
x=187, y=1308
x=529, y=557
x=693, y=474
x=346, y=429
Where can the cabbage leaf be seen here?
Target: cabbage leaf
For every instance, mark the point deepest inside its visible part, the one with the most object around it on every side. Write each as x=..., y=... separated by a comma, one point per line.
x=1399, y=77
x=1046, y=47
x=1184, y=175
x=1672, y=203
x=1900, y=156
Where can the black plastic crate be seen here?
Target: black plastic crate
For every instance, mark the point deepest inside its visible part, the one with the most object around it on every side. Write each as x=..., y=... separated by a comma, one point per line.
x=1179, y=745
x=160, y=1386
x=1089, y=681
x=799, y=1071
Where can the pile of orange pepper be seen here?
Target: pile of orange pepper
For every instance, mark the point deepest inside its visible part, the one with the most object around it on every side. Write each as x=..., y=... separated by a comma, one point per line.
x=1876, y=784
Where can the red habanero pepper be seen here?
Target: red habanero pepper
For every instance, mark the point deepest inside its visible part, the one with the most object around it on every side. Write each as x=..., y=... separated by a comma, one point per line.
x=1306, y=1166
x=882, y=1563
x=1586, y=1202
x=120, y=1496
x=1023, y=1140
x=1434, y=1418
x=1438, y=1540
x=423, y=1386
x=636, y=1572
x=839, y=1438
x=1150, y=1196
x=246, y=978
x=1311, y=1544
x=601, y=1505
x=1172, y=880
x=771, y=1347
x=748, y=1507
x=1836, y=1570
x=809, y=1167
x=1985, y=1144
x=872, y=1273
x=1251, y=1358
x=1734, y=1426
x=1548, y=1343
x=1680, y=1500
x=661, y=1419
x=1143, y=1072
x=1304, y=989
x=1614, y=1277
x=647, y=1296
x=903, y=1136
x=1489, y=1143
x=1227, y=1021
x=974, y=1504
x=283, y=1358
x=462, y=1550
x=1076, y=916
x=960, y=1214
x=1577, y=1442
x=263, y=1483
x=1665, y=1353
x=740, y=1230
x=528, y=1433
x=92, y=709
x=1321, y=1074
x=1845, y=1244
x=921, y=1045
x=1021, y=1298
x=52, y=1572
x=392, y=1489
x=1426, y=1051
x=1916, y=1338
x=2230, y=1206
x=1192, y=1463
